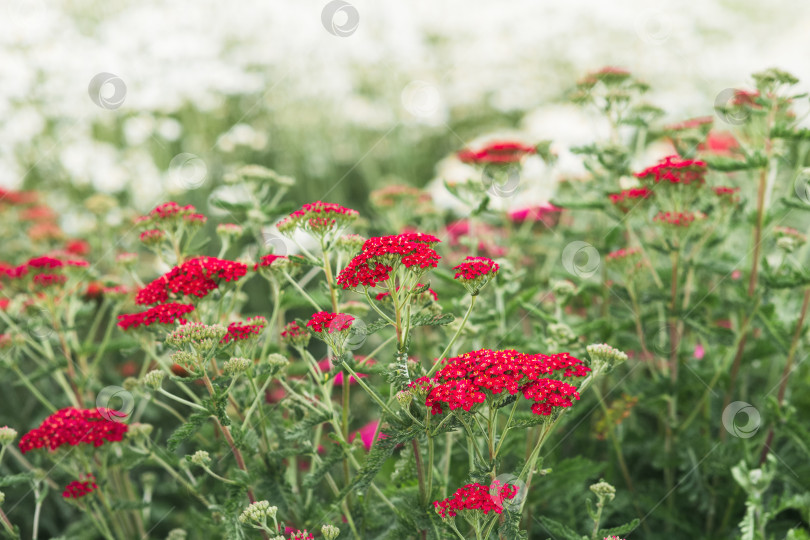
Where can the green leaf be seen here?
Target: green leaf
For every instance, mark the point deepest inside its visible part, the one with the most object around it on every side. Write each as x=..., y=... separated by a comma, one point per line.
x=621, y=530
x=13, y=479
x=558, y=530
x=428, y=319
x=187, y=430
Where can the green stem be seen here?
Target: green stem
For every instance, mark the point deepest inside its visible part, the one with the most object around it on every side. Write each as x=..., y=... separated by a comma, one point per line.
x=455, y=337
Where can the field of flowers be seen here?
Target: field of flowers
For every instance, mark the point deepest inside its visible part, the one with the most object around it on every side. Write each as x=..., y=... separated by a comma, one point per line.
x=504, y=315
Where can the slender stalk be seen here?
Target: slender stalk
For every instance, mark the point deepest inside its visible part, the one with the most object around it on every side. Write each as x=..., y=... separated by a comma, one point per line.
x=786, y=372
x=455, y=337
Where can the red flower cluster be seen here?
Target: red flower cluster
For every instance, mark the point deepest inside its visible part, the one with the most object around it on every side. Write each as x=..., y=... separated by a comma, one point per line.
x=675, y=170
x=728, y=194
x=162, y=313
x=464, y=380
x=241, y=331
x=547, y=213
x=476, y=268
x=194, y=277
x=330, y=322
x=622, y=254
x=73, y=426
x=77, y=489
x=152, y=236
x=692, y=123
x=622, y=198
x=44, y=271
x=318, y=217
x=380, y=256
x=475, y=497
x=679, y=219
x=497, y=152
x=292, y=332
x=171, y=211
x=268, y=260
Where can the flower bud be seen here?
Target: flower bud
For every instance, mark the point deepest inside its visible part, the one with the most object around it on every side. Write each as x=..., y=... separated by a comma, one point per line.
x=2, y=497
x=130, y=384
x=404, y=397
x=606, y=355
x=258, y=512
x=153, y=379
x=234, y=366
x=138, y=431
x=277, y=360
x=229, y=230
x=330, y=532
x=201, y=458
x=603, y=490
x=177, y=534
x=7, y=435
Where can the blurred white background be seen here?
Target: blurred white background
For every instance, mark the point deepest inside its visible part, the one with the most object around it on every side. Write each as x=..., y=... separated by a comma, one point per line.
x=423, y=61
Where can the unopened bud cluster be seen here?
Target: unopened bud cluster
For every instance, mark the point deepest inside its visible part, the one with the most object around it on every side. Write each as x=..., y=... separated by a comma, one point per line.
x=606, y=355
x=201, y=337
x=234, y=366
x=258, y=512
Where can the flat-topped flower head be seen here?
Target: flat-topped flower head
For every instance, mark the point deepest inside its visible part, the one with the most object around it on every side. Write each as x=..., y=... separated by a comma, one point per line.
x=258, y=513
x=475, y=272
x=229, y=231
x=350, y=243
x=318, y=218
x=271, y=263
x=168, y=313
x=301, y=535
x=295, y=335
x=675, y=170
x=497, y=152
x=603, y=355
x=382, y=257
x=623, y=254
x=729, y=195
x=170, y=214
x=678, y=219
x=198, y=336
x=325, y=322
x=475, y=498
x=71, y=426
x=625, y=200
x=78, y=489
x=238, y=331
x=470, y=379
x=7, y=435
x=195, y=277
x=332, y=328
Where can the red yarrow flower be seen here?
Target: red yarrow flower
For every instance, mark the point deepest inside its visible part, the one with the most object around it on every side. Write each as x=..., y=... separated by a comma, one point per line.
x=195, y=277
x=241, y=331
x=295, y=335
x=383, y=256
x=163, y=313
x=318, y=218
x=625, y=198
x=72, y=426
x=678, y=219
x=325, y=322
x=475, y=498
x=475, y=272
x=676, y=170
x=78, y=489
x=468, y=380
x=497, y=152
